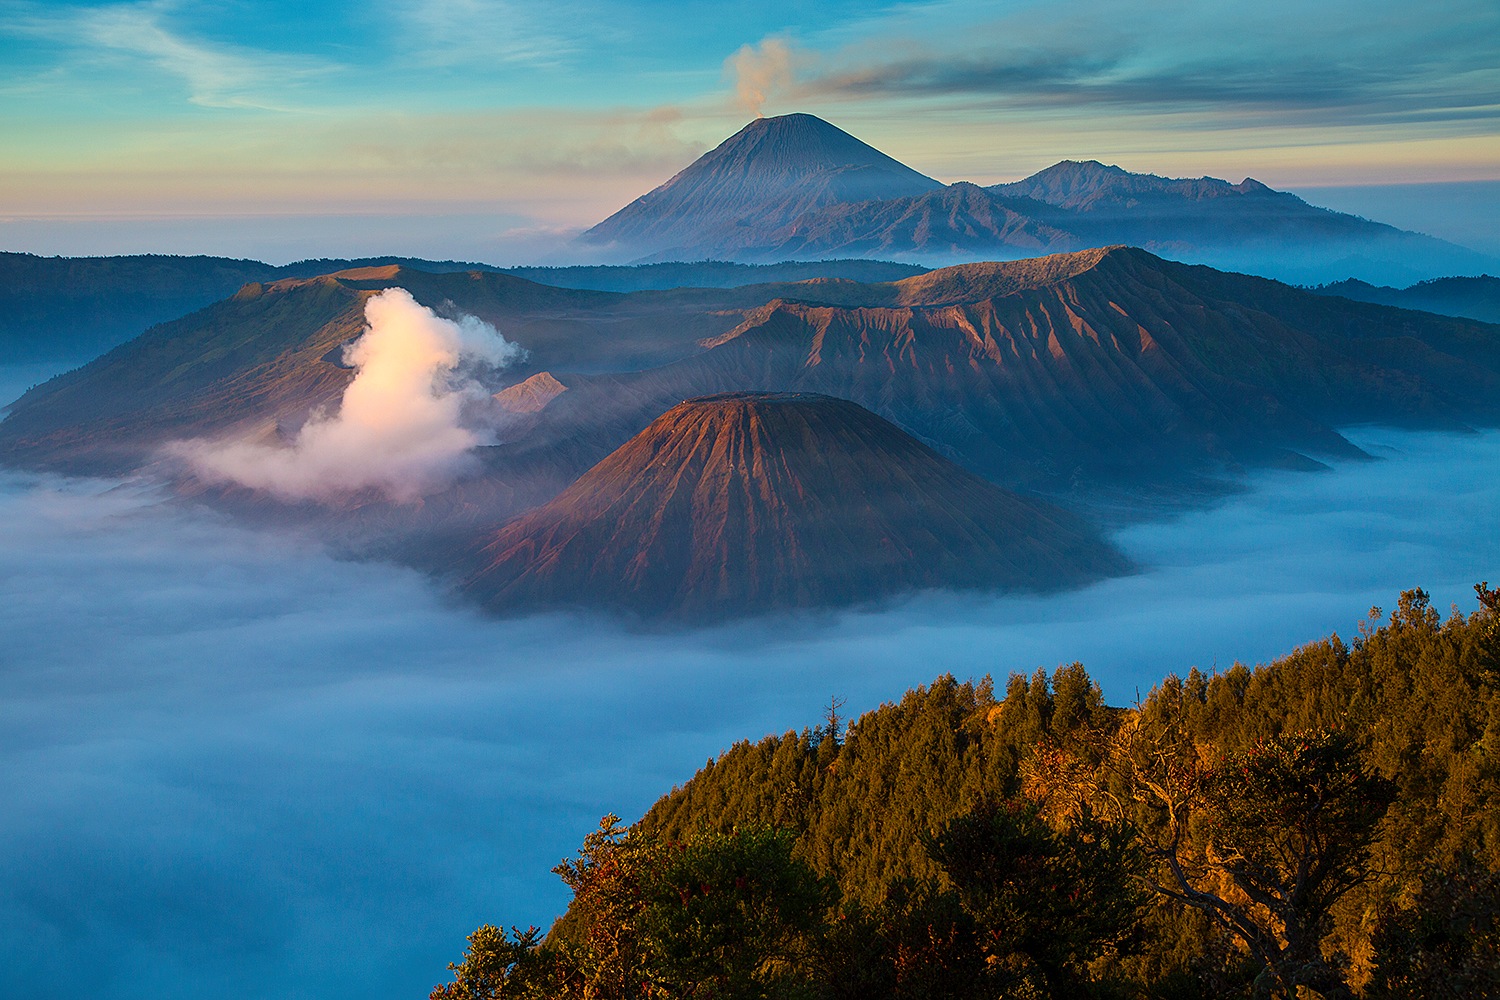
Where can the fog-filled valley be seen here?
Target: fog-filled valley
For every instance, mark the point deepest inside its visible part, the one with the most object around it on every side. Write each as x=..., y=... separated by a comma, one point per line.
x=238, y=765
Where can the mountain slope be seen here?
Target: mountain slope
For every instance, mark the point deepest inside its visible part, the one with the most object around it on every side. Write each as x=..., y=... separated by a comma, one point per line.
x=798, y=187
x=1246, y=226
x=752, y=502
x=1472, y=298
x=954, y=221
x=1105, y=369
x=1090, y=186
x=74, y=308
x=763, y=176
x=270, y=354
x=1110, y=365
x=1099, y=366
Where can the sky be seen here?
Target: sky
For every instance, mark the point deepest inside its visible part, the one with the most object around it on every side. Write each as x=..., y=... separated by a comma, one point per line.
x=235, y=766
x=487, y=129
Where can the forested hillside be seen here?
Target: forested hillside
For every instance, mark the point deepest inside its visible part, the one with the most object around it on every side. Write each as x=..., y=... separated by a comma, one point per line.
x=1324, y=825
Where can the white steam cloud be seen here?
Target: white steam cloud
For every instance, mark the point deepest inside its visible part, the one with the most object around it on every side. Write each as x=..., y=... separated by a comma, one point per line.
x=759, y=71
x=407, y=422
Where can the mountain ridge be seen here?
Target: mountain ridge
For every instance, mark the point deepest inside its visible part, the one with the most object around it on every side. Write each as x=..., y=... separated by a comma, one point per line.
x=73, y=309
x=739, y=201
x=1107, y=366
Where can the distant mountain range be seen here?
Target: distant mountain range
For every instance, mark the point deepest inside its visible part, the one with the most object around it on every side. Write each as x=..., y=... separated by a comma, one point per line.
x=72, y=309
x=795, y=187
x=1474, y=298
x=1112, y=364
x=1061, y=375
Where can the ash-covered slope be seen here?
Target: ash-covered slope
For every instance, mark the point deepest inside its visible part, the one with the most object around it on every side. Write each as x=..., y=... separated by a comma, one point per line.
x=762, y=177
x=753, y=502
x=270, y=354
x=1104, y=365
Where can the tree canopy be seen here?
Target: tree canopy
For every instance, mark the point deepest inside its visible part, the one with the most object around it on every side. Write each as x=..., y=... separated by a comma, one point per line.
x=1327, y=824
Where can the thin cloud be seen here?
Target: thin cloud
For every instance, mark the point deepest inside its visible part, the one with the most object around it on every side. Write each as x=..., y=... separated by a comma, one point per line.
x=454, y=32
x=215, y=76
x=1348, y=63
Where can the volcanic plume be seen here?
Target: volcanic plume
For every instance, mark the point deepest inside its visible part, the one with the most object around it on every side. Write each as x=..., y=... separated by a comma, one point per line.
x=401, y=428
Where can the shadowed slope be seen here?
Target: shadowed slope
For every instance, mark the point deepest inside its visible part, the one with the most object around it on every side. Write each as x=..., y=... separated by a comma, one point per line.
x=752, y=502
x=1472, y=297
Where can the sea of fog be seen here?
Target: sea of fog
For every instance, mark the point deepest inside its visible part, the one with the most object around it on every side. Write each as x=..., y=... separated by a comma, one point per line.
x=233, y=765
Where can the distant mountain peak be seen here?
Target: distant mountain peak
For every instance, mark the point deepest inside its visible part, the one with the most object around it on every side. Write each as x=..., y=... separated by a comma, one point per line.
x=768, y=173
x=795, y=144
x=1083, y=168
x=1088, y=185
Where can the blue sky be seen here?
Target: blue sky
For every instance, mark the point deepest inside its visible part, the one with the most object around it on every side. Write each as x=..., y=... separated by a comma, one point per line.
x=390, y=123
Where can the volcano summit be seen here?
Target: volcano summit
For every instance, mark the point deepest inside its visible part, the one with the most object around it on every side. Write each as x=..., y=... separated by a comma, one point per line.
x=772, y=171
x=750, y=502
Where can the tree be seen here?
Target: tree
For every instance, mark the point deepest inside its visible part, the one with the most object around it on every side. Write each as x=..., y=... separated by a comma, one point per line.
x=611, y=879
x=1487, y=621
x=733, y=916
x=497, y=967
x=919, y=943
x=1445, y=944
x=1266, y=841
x=1047, y=901
x=717, y=915
x=833, y=723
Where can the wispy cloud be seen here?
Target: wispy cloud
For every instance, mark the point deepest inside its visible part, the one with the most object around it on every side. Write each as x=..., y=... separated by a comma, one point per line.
x=1380, y=62
x=215, y=75
x=455, y=32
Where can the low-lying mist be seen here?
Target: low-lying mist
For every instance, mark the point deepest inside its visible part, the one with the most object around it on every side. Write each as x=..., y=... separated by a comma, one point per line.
x=233, y=765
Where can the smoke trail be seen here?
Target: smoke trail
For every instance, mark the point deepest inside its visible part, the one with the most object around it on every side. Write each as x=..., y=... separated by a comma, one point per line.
x=760, y=71
x=403, y=427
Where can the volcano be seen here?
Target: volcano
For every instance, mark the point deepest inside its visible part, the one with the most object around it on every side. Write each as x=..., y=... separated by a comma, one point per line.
x=798, y=188
x=745, y=503
x=761, y=178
